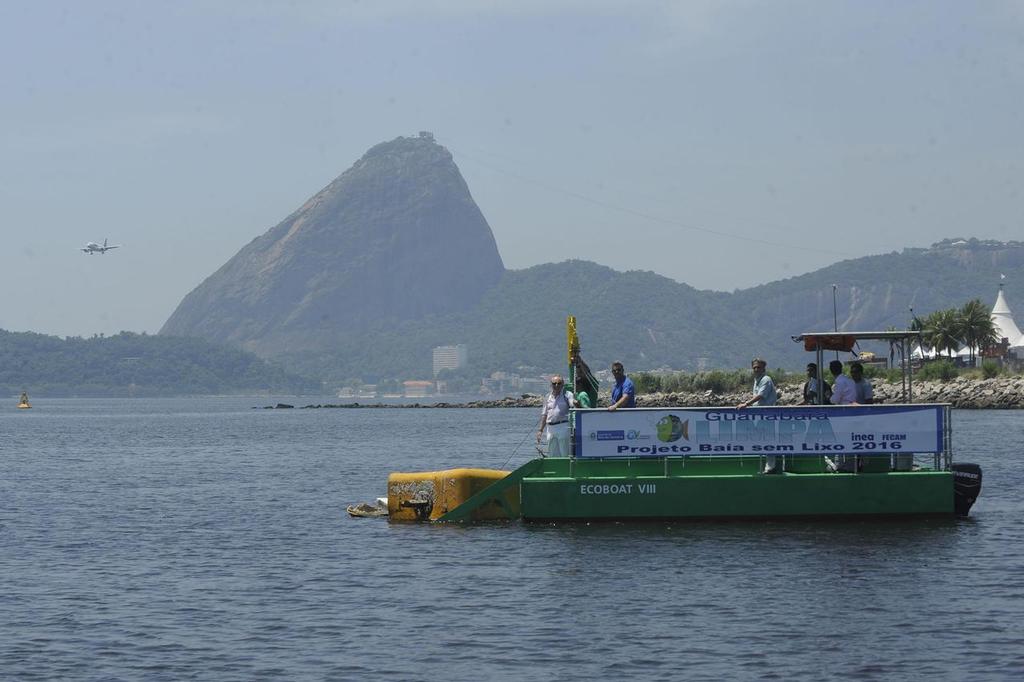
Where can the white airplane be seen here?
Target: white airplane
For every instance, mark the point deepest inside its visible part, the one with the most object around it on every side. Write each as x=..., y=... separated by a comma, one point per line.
x=93, y=247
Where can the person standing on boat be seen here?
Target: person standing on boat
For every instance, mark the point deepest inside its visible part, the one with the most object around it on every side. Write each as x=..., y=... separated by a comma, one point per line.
x=764, y=391
x=554, y=419
x=765, y=395
x=812, y=384
x=864, y=392
x=584, y=384
x=844, y=392
x=623, y=392
x=582, y=397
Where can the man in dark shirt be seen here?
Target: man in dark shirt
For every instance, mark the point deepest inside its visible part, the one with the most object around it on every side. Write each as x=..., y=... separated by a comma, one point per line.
x=811, y=387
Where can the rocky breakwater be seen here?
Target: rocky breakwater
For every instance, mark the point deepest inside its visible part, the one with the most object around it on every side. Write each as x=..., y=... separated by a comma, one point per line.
x=524, y=400
x=999, y=393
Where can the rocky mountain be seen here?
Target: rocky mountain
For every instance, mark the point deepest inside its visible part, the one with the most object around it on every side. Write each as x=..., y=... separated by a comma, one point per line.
x=394, y=258
x=396, y=237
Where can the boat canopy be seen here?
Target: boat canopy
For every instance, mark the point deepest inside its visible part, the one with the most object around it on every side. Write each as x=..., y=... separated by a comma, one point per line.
x=862, y=336
x=900, y=341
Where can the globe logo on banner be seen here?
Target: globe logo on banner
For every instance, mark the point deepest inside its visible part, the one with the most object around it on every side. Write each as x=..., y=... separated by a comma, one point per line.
x=671, y=428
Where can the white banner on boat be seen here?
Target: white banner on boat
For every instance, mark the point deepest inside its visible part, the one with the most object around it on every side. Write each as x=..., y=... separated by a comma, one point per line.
x=812, y=431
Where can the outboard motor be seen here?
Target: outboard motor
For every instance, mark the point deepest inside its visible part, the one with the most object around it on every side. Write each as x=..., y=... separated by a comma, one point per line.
x=966, y=486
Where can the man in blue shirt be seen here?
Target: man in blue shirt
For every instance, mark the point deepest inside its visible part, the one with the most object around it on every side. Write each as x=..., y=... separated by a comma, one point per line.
x=623, y=392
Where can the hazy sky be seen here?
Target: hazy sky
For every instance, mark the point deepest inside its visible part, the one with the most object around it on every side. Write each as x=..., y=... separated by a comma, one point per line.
x=722, y=144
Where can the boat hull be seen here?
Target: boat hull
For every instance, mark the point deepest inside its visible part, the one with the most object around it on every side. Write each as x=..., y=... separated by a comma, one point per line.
x=725, y=489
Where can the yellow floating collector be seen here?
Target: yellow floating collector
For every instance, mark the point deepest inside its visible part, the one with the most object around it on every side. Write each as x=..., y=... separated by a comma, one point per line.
x=428, y=495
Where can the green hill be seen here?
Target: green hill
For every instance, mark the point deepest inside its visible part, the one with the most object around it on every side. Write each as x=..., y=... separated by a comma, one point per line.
x=135, y=364
x=645, y=320
x=876, y=292
x=649, y=321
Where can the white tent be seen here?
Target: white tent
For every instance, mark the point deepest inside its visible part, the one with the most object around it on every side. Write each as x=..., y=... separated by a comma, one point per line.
x=1005, y=326
x=965, y=352
x=964, y=356
x=1003, y=319
x=922, y=353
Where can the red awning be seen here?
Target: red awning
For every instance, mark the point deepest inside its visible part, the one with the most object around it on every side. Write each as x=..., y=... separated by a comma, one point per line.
x=843, y=342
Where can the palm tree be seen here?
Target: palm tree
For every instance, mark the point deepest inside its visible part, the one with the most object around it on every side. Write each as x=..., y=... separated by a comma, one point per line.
x=943, y=331
x=977, y=328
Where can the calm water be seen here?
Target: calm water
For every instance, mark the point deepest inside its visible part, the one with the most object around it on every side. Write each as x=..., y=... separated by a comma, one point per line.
x=201, y=539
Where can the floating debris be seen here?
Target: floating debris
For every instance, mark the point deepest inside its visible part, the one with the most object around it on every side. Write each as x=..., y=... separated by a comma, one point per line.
x=367, y=510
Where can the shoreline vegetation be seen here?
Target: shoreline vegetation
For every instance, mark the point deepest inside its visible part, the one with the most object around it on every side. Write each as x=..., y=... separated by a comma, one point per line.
x=999, y=393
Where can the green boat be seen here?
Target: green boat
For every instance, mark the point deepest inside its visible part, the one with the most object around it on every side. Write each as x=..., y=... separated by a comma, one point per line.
x=828, y=461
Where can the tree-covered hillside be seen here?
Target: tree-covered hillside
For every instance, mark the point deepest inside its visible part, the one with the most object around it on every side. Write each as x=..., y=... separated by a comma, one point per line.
x=640, y=318
x=877, y=292
x=649, y=321
x=135, y=364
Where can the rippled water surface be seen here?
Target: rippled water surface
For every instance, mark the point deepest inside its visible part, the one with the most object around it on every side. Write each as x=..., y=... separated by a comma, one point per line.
x=202, y=539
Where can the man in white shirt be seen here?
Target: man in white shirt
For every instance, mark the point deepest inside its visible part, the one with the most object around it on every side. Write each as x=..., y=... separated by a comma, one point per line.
x=554, y=419
x=844, y=392
x=865, y=395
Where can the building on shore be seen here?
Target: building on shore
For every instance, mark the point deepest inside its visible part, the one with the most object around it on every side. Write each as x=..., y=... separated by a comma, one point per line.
x=417, y=389
x=508, y=383
x=450, y=357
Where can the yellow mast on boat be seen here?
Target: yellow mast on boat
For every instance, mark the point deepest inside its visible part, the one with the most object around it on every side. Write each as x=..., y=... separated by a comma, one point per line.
x=572, y=341
x=581, y=381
